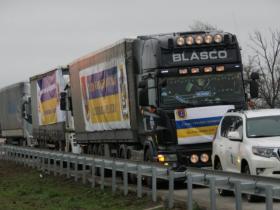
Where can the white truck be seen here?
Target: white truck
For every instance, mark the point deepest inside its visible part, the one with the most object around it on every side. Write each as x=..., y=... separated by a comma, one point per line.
x=15, y=114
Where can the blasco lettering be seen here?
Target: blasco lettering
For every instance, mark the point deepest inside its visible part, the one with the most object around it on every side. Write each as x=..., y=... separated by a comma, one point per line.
x=204, y=55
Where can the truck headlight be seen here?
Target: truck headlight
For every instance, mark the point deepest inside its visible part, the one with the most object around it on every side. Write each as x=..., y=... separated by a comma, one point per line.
x=204, y=158
x=180, y=41
x=198, y=39
x=194, y=158
x=189, y=40
x=218, y=38
x=208, y=39
x=267, y=152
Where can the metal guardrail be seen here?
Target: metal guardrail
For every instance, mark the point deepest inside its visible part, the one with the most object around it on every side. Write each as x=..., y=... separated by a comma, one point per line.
x=67, y=164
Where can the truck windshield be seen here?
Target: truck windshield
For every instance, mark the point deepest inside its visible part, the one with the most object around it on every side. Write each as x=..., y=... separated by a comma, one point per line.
x=263, y=127
x=210, y=89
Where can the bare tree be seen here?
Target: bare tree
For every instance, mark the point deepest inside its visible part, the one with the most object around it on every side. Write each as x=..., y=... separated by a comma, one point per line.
x=267, y=64
x=202, y=26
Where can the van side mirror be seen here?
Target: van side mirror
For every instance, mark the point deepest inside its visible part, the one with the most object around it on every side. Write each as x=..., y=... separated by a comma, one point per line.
x=63, y=101
x=234, y=136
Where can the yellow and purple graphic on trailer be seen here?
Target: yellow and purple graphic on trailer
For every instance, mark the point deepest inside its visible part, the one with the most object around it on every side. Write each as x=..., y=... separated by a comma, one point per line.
x=105, y=97
x=48, y=89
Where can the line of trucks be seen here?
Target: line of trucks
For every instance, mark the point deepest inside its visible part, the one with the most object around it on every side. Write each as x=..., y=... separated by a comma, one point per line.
x=153, y=98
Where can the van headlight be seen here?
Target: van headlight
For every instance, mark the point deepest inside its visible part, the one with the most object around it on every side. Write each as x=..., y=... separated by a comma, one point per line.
x=267, y=152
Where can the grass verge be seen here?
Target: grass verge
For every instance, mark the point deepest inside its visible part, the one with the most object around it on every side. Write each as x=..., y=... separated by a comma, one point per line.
x=23, y=189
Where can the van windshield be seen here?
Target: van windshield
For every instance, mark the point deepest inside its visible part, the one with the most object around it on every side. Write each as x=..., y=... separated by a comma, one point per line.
x=263, y=127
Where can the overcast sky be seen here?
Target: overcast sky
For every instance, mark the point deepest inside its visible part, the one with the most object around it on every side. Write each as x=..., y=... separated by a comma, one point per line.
x=36, y=35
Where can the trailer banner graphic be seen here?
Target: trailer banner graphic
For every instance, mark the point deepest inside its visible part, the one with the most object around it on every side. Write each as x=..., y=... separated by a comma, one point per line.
x=105, y=96
x=198, y=125
x=48, y=89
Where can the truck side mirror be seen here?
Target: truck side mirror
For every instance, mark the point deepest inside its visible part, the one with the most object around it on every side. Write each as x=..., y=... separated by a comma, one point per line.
x=163, y=83
x=143, y=97
x=63, y=101
x=143, y=84
x=254, y=89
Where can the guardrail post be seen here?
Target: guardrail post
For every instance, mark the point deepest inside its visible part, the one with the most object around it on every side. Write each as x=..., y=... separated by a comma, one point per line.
x=125, y=180
x=61, y=165
x=38, y=160
x=93, y=173
x=190, y=186
x=25, y=159
x=171, y=190
x=269, y=198
x=238, y=195
x=113, y=176
x=33, y=160
x=102, y=174
x=139, y=181
x=30, y=159
x=154, y=184
x=68, y=161
x=55, y=165
x=84, y=171
x=213, y=193
x=76, y=168
x=49, y=164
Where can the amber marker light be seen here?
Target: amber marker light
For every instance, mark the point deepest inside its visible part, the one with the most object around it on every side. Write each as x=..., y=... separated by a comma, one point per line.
x=208, y=69
x=195, y=70
x=161, y=158
x=220, y=68
x=183, y=71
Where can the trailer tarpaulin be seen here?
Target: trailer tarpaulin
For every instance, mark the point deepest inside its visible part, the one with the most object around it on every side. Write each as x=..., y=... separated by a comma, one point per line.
x=105, y=96
x=48, y=89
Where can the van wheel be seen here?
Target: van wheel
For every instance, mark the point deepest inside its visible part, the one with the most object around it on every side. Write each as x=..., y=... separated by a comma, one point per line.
x=220, y=191
x=250, y=198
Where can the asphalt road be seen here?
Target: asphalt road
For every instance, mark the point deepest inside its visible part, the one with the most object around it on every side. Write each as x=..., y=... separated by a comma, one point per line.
x=202, y=197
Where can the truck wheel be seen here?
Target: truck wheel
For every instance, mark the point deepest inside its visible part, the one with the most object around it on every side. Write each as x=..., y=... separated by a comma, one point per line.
x=220, y=191
x=250, y=198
